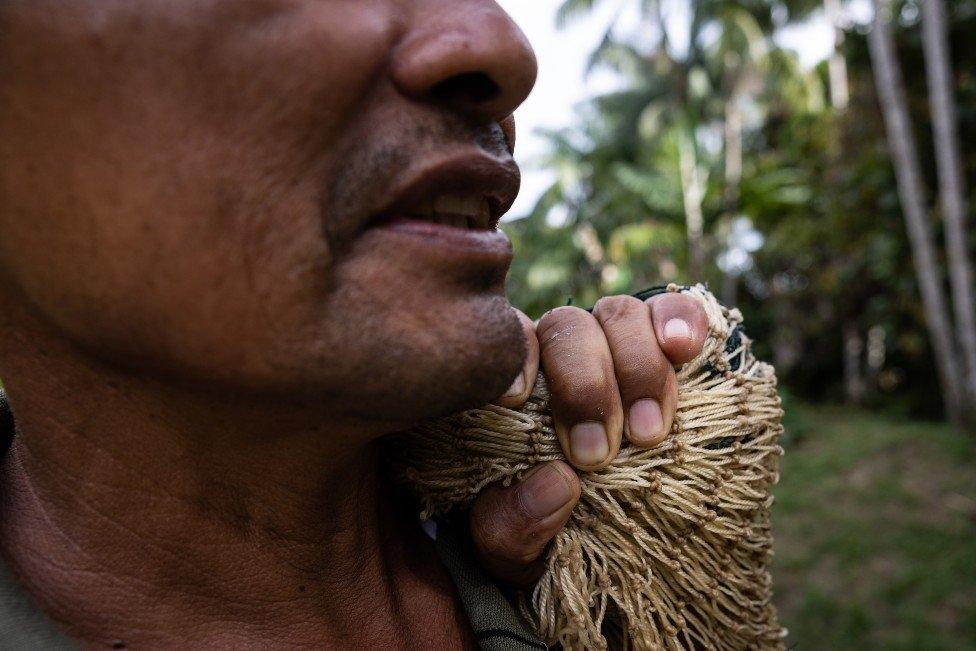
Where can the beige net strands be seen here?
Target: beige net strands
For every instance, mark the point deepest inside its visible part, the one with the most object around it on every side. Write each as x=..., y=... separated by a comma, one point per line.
x=668, y=547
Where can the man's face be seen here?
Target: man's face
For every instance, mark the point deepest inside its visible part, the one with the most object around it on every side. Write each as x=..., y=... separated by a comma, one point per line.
x=244, y=192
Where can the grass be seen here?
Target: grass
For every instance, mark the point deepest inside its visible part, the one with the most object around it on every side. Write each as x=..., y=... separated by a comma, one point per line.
x=875, y=525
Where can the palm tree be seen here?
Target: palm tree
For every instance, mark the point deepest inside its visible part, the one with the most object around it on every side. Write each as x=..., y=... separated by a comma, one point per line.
x=665, y=87
x=935, y=40
x=836, y=64
x=730, y=66
x=743, y=55
x=904, y=154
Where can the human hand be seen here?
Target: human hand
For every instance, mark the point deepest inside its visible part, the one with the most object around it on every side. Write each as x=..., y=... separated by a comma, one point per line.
x=610, y=374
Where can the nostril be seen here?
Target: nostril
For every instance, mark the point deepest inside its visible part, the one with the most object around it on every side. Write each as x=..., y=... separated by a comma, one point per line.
x=466, y=88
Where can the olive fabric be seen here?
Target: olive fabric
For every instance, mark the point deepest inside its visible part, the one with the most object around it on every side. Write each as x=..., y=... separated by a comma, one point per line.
x=22, y=625
x=497, y=625
x=495, y=622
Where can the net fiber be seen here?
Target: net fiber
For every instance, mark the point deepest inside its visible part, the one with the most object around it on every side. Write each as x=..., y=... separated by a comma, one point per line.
x=668, y=547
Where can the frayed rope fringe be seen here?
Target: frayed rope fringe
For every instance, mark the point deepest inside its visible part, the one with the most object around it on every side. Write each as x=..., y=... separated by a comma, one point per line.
x=668, y=547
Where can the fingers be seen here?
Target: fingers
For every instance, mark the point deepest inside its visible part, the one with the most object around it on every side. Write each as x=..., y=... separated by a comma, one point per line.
x=585, y=401
x=511, y=526
x=611, y=373
x=524, y=382
x=680, y=324
x=645, y=376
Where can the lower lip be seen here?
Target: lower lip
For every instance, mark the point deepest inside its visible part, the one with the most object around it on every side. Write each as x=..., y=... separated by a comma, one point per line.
x=492, y=245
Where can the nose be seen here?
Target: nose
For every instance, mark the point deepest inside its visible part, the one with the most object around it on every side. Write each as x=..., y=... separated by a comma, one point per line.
x=469, y=57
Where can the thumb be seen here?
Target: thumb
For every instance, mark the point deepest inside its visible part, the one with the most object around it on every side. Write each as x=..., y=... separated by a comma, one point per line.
x=511, y=525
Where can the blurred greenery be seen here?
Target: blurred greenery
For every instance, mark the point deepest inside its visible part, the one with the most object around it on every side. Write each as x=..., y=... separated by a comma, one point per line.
x=728, y=163
x=874, y=523
x=807, y=236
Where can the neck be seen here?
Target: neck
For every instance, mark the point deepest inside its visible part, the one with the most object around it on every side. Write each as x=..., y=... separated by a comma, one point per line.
x=144, y=513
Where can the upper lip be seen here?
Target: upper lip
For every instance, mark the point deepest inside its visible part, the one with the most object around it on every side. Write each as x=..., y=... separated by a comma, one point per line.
x=494, y=178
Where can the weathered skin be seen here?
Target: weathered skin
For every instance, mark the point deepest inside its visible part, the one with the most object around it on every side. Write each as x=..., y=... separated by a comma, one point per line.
x=204, y=335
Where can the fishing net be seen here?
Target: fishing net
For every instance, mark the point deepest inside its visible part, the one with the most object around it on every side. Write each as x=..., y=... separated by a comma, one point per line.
x=668, y=547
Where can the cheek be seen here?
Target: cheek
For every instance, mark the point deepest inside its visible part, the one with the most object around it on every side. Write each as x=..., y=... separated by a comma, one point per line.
x=176, y=215
x=293, y=80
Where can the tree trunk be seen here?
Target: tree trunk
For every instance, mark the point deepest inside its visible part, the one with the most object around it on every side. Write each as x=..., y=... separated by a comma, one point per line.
x=837, y=64
x=935, y=38
x=733, y=143
x=876, y=355
x=854, y=384
x=692, y=194
x=733, y=166
x=904, y=154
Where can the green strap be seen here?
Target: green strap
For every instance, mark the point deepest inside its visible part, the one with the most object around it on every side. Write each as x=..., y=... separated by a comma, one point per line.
x=497, y=625
x=22, y=624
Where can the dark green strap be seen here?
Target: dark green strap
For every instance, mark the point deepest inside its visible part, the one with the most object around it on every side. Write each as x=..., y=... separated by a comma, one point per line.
x=22, y=624
x=497, y=625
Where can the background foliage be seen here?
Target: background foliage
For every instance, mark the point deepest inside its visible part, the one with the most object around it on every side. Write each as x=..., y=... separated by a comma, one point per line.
x=876, y=510
x=816, y=189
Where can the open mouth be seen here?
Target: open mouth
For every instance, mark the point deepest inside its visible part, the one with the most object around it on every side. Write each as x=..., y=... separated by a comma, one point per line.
x=468, y=191
x=456, y=210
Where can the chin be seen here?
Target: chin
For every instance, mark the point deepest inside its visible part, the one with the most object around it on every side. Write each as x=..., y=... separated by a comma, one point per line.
x=456, y=359
x=483, y=367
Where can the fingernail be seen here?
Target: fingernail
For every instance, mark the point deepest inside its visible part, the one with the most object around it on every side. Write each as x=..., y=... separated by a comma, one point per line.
x=544, y=492
x=677, y=329
x=588, y=443
x=645, y=421
x=518, y=386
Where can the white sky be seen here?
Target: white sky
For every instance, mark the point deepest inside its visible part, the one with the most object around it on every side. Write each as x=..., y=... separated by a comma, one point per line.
x=562, y=59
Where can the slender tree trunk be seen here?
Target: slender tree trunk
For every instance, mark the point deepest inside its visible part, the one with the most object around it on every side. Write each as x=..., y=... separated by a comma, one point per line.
x=733, y=165
x=854, y=383
x=692, y=194
x=733, y=147
x=876, y=355
x=733, y=153
x=952, y=191
x=837, y=64
x=904, y=154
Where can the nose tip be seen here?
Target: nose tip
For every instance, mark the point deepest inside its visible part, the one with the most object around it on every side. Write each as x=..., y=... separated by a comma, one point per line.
x=477, y=63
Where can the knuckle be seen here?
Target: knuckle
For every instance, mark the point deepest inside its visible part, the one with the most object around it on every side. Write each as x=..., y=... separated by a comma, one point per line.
x=559, y=325
x=610, y=310
x=634, y=344
x=491, y=538
x=589, y=392
x=559, y=317
x=511, y=546
x=646, y=384
x=645, y=373
x=594, y=386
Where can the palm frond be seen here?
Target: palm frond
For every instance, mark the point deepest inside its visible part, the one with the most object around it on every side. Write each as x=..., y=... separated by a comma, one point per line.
x=571, y=10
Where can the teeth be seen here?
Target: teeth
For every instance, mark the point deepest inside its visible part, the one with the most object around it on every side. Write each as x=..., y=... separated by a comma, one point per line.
x=469, y=211
x=457, y=221
x=458, y=204
x=458, y=210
